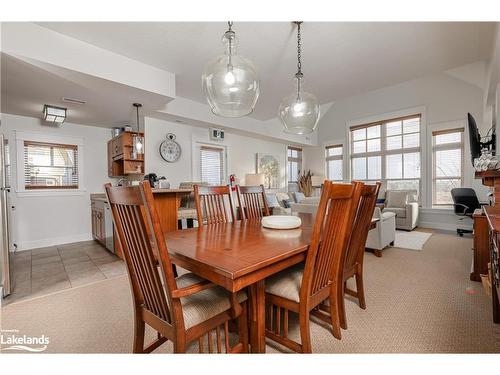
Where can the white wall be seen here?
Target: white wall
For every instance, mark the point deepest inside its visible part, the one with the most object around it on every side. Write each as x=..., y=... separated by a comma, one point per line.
x=442, y=98
x=241, y=151
x=40, y=221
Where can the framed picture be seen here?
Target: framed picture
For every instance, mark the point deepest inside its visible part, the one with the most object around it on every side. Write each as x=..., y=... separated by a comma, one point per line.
x=270, y=166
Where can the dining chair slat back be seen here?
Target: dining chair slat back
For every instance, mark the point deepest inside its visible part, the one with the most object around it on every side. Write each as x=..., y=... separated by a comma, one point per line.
x=129, y=213
x=329, y=242
x=156, y=295
x=214, y=204
x=252, y=202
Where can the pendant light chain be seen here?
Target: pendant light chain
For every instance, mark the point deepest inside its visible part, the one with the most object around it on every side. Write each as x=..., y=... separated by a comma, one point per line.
x=299, y=47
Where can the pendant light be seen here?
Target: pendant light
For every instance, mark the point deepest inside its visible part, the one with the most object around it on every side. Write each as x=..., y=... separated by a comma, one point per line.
x=231, y=82
x=299, y=111
x=138, y=140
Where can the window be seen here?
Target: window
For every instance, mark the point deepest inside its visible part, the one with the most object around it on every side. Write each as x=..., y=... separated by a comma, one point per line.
x=447, y=164
x=389, y=151
x=334, y=156
x=50, y=166
x=212, y=165
x=294, y=159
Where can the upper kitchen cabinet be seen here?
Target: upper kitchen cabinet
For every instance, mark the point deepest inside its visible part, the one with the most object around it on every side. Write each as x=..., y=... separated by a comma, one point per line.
x=120, y=156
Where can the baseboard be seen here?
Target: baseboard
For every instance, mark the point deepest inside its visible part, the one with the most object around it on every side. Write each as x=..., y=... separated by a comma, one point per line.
x=28, y=245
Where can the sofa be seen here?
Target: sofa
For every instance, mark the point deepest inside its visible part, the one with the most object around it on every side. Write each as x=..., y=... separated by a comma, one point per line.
x=404, y=203
x=384, y=233
x=306, y=205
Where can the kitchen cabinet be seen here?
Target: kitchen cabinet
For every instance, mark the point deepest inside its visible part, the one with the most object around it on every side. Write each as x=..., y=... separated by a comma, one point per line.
x=97, y=215
x=120, y=161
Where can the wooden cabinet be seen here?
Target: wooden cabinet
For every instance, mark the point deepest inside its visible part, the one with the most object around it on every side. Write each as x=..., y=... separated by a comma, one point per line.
x=97, y=215
x=481, y=249
x=120, y=161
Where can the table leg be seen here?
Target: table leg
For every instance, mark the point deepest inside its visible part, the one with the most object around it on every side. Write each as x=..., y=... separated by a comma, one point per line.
x=258, y=317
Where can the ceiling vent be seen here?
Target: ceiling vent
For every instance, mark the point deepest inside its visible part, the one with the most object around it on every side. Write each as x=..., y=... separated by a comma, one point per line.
x=74, y=101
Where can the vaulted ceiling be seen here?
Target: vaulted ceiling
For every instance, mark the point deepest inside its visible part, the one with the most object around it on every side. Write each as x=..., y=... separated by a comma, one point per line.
x=339, y=59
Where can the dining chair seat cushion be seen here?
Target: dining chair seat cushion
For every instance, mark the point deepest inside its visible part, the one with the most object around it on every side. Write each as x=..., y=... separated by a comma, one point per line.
x=286, y=283
x=199, y=307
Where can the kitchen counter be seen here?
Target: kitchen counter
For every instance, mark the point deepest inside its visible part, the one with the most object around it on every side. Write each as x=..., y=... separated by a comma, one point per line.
x=172, y=191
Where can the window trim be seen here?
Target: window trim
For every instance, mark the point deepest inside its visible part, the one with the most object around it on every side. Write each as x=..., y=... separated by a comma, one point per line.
x=448, y=146
x=219, y=149
x=383, y=153
x=292, y=159
x=334, y=157
x=52, y=145
x=41, y=137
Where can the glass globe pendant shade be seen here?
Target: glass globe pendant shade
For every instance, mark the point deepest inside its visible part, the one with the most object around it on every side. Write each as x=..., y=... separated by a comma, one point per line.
x=231, y=82
x=299, y=111
x=138, y=143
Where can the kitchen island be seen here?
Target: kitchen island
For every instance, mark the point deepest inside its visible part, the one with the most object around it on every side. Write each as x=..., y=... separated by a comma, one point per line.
x=168, y=202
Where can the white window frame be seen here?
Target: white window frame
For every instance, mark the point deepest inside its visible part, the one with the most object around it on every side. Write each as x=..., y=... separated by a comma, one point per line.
x=447, y=146
x=196, y=162
x=290, y=159
x=22, y=136
x=335, y=157
x=383, y=153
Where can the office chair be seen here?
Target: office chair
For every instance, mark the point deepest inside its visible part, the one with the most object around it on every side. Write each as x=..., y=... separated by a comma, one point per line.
x=464, y=203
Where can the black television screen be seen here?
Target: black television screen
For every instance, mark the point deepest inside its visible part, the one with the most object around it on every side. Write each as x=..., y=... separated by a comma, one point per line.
x=474, y=138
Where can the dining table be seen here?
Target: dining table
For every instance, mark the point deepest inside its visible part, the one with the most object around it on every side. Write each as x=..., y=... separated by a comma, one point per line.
x=241, y=255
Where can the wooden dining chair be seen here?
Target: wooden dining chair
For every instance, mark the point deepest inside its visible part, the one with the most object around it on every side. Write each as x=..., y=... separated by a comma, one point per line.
x=182, y=309
x=214, y=204
x=252, y=202
x=353, y=266
x=303, y=287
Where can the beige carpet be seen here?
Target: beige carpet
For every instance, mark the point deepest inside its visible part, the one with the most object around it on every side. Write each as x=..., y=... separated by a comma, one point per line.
x=418, y=302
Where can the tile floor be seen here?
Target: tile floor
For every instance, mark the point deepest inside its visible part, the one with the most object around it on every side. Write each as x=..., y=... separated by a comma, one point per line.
x=46, y=270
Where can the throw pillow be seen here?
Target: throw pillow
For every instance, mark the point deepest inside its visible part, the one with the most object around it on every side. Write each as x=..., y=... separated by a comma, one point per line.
x=272, y=201
x=285, y=203
x=299, y=196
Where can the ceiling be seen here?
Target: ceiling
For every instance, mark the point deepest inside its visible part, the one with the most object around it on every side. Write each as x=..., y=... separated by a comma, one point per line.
x=339, y=59
x=27, y=86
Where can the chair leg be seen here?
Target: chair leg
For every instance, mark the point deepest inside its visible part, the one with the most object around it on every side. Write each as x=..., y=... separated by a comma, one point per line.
x=360, y=289
x=139, y=328
x=305, y=332
x=243, y=327
x=335, y=315
x=342, y=314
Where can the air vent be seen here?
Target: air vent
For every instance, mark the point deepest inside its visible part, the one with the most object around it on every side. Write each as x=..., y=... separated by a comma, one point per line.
x=74, y=101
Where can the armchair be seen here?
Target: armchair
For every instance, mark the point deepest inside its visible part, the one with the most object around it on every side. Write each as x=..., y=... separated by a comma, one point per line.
x=384, y=233
x=404, y=203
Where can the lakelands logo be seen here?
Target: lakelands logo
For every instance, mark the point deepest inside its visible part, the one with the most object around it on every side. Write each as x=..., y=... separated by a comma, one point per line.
x=11, y=340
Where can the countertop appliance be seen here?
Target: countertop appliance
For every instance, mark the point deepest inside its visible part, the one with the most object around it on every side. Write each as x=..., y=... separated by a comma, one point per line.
x=6, y=276
x=152, y=178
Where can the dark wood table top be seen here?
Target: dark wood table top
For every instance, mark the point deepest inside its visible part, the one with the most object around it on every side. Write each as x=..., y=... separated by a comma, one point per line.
x=234, y=255
x=236, y=249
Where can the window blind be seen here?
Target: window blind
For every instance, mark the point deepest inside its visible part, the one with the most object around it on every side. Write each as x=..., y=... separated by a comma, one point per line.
x=50, y=166
x=212, y=165
x=334, y=156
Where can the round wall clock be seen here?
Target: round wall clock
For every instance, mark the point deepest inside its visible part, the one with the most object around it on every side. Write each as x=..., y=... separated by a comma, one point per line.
x=170, y=150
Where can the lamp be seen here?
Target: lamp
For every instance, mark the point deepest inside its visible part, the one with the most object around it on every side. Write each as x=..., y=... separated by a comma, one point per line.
x=54, y=114
x=231, y=82
x=299, y=111
x=255, y=179
x=317, y=180
x=137, y=139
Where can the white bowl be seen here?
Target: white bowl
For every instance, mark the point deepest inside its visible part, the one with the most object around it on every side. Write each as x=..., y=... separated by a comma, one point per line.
x=281, y=222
